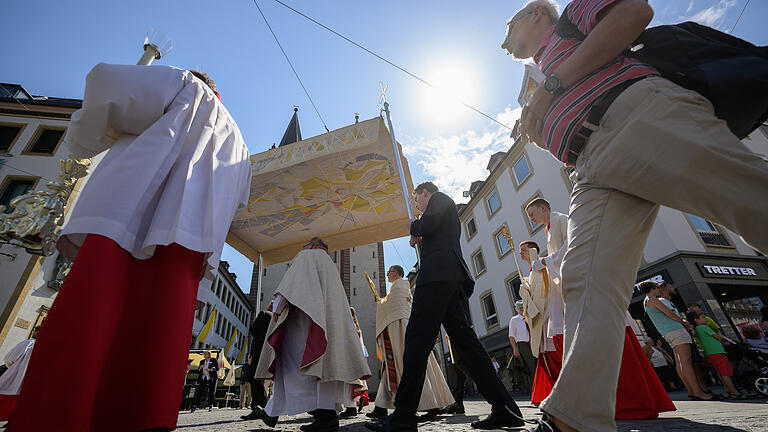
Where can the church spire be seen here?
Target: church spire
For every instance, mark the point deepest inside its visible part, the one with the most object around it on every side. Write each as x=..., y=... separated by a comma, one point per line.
x=293, y=131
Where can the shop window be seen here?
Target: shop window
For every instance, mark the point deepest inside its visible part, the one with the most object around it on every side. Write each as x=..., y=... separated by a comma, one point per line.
x=471, y=228
x=489, y=311
x=46, y=141
x=9, y=133
x=478, y=262
x=494, y=203
x=708, y=232
x=15, y=187
x=502, y=245
x=521, y=170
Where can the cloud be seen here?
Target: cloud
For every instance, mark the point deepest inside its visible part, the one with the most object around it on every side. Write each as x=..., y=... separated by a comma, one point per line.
x=454, y=162
x=712, y=15
x=690, y=6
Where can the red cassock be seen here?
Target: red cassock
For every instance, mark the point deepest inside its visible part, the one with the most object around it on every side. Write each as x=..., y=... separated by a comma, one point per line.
x=113, y=317
x=547, y=370
x=640, y=394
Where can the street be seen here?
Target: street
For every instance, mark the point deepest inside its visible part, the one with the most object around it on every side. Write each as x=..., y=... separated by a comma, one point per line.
x=721, y=416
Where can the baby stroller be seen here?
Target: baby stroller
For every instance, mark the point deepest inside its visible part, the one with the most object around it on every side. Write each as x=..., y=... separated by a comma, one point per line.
x=751, y=371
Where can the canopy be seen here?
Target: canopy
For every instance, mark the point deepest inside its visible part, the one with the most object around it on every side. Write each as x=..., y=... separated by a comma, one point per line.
x=342, y=186
x=197, y=355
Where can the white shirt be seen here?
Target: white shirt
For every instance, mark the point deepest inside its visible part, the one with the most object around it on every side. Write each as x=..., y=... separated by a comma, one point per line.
x=176, y=168
x=657, y=358
x=518, y=329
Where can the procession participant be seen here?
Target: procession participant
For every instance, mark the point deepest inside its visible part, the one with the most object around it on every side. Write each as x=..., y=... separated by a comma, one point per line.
x=359, y=388
x=206, y=381
x=149, y=222
x=312, y=350
x=637, y=141
x=16, y=362
x=392, y=315
x=258, y=331
x=440, y=297
x=541, y=300
x=520, y=339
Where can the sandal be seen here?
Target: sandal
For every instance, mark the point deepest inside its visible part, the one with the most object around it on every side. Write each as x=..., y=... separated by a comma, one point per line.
x=739, y=396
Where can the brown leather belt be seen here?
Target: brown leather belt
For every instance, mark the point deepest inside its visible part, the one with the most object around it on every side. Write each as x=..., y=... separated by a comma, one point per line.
x=592, y=122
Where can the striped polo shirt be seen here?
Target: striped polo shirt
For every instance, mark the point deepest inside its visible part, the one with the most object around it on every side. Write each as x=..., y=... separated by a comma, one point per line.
x=568, y=111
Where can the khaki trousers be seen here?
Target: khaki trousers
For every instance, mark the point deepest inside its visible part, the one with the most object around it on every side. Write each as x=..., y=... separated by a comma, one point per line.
x=658, y=144
x=245, y=395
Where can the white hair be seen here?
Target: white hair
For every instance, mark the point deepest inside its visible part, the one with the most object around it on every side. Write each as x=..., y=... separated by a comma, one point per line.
x=549, y=6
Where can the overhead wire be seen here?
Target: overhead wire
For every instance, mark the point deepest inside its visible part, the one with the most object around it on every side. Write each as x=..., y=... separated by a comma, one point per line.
x=306, y=92
x=389, y=62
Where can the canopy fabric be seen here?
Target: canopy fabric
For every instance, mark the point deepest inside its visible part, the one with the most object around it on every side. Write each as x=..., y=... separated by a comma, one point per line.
x=342, y=186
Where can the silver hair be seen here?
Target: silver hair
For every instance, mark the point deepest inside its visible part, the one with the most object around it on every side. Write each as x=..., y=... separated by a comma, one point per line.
x=549, y=7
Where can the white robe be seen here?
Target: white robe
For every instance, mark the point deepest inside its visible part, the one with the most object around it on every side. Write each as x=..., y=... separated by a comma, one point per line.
x=293, y=392
x=17, y=361
x=176, y=168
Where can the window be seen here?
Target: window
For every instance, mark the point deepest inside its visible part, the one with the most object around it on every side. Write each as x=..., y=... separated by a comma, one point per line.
x=265, y=271
x=373, y=255
x=15, y=187
x=218, y=324
x=14, y=91
x=8, y=135
x=478, y=261
x=354, y=291
x=532, y=227
x=522, y=170
x=567, y=171
x=502, y=245
x=494, y=203
x=333, y=256
x=513, y=290
x=471, y=228
x=489, y=311
x=353, y=249
x=46, y=141
x=354, y=269
x=218, y=288
x=374, y=275
x=708, y=232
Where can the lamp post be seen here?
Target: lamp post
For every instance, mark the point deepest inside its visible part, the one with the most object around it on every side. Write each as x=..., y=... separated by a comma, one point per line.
x=36, y=216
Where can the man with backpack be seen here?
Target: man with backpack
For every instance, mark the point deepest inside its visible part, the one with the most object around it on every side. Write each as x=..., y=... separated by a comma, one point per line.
x=637, y=141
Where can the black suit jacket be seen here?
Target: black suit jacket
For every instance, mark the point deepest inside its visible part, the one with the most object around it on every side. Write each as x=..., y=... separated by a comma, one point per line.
x=440, y=230
x=258, y=331
x=212, y=364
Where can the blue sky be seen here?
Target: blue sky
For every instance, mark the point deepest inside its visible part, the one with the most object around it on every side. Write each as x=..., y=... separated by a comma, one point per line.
x=51, y=45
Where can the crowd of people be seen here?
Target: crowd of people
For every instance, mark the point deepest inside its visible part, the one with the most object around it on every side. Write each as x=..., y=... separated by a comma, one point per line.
x=143, y=250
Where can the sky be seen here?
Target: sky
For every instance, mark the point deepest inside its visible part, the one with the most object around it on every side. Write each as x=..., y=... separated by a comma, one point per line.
x=51, y=45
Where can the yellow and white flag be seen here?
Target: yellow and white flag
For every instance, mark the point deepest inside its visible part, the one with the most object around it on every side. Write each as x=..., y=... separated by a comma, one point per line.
x=229, y=350
x=241, y=358
x=207, y=327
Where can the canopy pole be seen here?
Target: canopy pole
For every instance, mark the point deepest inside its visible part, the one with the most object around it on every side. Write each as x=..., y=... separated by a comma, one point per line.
x=258, y=285
x=406, y=196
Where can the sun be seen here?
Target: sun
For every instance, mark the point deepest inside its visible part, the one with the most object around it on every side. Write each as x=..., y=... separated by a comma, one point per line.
x=452, y=84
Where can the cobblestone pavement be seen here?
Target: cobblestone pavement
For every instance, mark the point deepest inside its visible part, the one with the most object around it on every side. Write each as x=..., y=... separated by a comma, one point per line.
x=751, y=416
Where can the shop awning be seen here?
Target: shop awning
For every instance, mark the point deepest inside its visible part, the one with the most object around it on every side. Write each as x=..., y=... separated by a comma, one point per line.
x=342, y=186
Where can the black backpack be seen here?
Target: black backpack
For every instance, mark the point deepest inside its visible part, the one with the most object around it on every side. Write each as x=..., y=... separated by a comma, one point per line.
x=732, y=73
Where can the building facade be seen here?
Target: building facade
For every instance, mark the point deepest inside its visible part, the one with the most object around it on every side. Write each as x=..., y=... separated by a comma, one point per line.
x=707, y=263
x=233, y=312
x=32, y=130
x=352, y=264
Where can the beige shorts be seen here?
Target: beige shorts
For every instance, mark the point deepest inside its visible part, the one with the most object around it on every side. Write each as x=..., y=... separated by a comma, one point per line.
x=678, y=337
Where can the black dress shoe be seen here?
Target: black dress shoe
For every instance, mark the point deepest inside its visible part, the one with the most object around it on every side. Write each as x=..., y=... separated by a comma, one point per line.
x=388, y=425
x=429, y=415
x=498, y=420
x=377, y=413
x=260, y=414
x=349, y=412
x=324, y=425
x=455, y=408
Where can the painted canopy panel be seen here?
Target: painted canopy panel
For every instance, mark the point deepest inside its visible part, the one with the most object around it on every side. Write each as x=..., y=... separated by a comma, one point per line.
x=342, y=186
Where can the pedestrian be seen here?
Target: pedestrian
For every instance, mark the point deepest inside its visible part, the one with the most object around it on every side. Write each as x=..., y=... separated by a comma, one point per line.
x=457, y=372
x=754, y=338
x=696, y=307
x=660, y=364
x=715, y=352
x=636, y=141
x=258, y=331
x=246, y=375
x=764, y=319
x=16, y=362
x=675, y=331
x=145, y=235
x=440, y=297
x=206, y=382
x=520, y=339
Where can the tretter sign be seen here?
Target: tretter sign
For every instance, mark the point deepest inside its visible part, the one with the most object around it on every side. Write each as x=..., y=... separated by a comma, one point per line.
x=728, y=271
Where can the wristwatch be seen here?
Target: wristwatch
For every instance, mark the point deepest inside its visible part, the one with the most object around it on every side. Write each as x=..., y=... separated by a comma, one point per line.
x=552, y=85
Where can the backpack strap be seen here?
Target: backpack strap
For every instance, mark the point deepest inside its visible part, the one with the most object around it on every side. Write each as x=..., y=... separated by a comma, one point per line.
x=567, y=29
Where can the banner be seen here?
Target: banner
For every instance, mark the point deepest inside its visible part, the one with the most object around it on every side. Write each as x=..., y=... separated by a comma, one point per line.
x=207, y=327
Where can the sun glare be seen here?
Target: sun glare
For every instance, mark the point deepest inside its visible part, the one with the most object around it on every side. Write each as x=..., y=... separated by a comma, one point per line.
x=453, y=83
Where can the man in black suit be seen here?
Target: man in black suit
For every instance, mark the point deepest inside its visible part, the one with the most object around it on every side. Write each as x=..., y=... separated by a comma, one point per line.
x=258, y=331
x=442, y=288
x=206, y=381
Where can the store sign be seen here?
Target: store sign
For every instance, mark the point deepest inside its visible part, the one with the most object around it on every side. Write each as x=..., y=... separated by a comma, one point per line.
x=713, y=270
x=661, y=276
